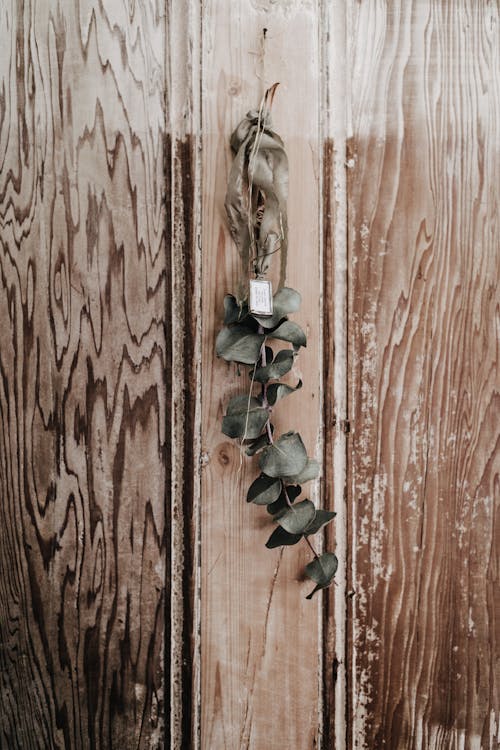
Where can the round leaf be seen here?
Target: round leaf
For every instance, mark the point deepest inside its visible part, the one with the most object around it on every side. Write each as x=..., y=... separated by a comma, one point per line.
x=310, y=471
x=240, y=404
x=297, y=519
x=234, y=312
x=277, y=391
x=280, y=538
x=245, y=418
x=281, y=504
x=246, y=425
x=285, y=301
x=282, y=364
x=239, y=344
x=321, y=570
x=257, y=445
x=287, y=457
x=291, y=332
x=264, y=490
x=322, y=517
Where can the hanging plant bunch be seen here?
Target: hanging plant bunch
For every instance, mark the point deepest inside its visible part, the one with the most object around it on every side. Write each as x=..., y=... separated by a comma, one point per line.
x=258, y=333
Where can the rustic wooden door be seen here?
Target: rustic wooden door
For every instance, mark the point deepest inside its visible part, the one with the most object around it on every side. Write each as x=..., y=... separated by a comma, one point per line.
x=139, y=607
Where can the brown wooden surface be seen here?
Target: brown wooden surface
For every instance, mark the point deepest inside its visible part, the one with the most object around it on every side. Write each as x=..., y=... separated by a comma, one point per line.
x=111, y=397
x=424, y=381
x=83, y=371
x=184, y=209
x=259, y=636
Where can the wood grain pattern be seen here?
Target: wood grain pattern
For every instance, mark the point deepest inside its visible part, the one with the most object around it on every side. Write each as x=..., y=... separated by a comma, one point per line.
x=333, y=181
x=260, y=637
x=424, y=311
x=184, y=206
x=83, y=369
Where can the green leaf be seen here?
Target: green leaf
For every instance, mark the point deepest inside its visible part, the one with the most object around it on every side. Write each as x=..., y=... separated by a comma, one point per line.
x=234, y=312
x=264, y=490
x=245, y=418
x=240, y=403
x=282, y=364
x=281, y=504
x=291, y=332
x=258, y=444
x=280, y=538
x=246, y=426
x=322, y=517
x=285, y=301
x=297, y=519
x=287, y=457
x=239, y=344
x=277, y=391
x=310, y=471
x=321, y=570
x=269, y=354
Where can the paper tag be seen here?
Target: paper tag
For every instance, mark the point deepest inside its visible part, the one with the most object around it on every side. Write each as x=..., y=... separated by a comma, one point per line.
x=261, y=297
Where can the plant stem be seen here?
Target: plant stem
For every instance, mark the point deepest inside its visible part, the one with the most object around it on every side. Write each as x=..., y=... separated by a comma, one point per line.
x=265, y=403
x=288, y=501
x=308, y=542
x=311, y=547
x=269, y=432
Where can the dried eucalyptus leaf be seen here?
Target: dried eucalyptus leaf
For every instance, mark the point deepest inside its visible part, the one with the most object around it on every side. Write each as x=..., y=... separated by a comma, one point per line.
x=322, y=570
x=309, y=472
x=268, y=172
x=282, y=364
x=237, y=203
x=245, y=418
x=270, y=321
x=285, y=458
x=240, y=404
x=281, y=504
x=281, y=538
x=277, y=391
x=287, y=300
x=243, y=130
x=257, y=445
x=257, y=192
x=246, y=425
x=291, y=332
x=264, y=490
x=321, y=518
x=297, y=519
x=234, y=312
x=269, y=354
x=239, y=344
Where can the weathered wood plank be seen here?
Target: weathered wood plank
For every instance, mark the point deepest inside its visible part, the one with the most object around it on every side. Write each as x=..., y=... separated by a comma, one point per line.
x=184, y=205
x=83, y=366
x=424, y=374
x=334, y=80
x=260, y=637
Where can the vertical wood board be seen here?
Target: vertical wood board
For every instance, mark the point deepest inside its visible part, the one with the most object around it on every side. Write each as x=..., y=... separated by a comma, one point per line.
x=83, y=366
x=423, y=195
x=260, y=637
x=182, y=85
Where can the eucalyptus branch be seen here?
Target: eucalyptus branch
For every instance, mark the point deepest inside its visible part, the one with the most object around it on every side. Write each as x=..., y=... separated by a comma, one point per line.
x=256, y=208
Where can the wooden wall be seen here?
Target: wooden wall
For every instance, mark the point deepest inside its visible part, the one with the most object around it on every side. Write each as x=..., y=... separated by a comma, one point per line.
x=260, y=638
x=139, y=607
x=424, y=388
x=84, y=372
